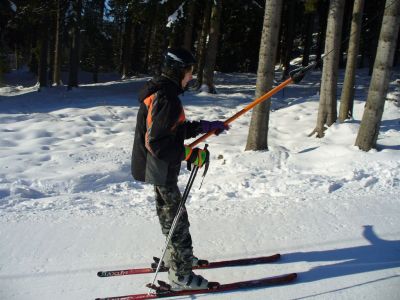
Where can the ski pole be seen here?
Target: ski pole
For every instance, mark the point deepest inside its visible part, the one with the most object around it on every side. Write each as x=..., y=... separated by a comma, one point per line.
x=295, y=76
x=175, y=221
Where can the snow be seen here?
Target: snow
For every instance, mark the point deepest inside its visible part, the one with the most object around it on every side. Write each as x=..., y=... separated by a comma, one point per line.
x=175, y=16
x=69, y=207
x=13, y=6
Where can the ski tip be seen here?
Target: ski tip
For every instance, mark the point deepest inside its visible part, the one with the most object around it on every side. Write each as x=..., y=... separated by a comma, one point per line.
x=100, y=274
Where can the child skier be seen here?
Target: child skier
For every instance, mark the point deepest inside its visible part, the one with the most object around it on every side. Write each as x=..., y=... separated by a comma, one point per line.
x=157, y=154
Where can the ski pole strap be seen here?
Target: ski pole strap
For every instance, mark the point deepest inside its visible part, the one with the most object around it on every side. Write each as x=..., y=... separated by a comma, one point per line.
x=298, y=74
x=206, y=165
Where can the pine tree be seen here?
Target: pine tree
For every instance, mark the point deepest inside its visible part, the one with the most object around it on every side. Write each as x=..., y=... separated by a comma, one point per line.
x=258, y=131
x=189, y=24
x=310, y=9
x=347, y=98
x=327, y=111
x=202, y=42
x=127, y=42
x=58, y=43
x=212, y=47
x=75, y=44
x=369, y=128
x=44, y=42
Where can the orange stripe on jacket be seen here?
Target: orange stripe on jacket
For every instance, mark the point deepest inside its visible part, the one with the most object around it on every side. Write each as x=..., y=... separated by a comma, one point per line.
x=149, y=120
x=181, y=119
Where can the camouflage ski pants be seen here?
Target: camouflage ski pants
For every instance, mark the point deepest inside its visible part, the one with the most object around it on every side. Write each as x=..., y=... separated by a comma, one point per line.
x=179, y=254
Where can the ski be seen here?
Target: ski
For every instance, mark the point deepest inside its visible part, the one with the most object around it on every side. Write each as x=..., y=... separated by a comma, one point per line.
x=208, y=265
x=162, y=290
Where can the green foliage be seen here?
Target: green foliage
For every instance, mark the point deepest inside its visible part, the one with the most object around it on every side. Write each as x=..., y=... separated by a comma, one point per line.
x=105, y=22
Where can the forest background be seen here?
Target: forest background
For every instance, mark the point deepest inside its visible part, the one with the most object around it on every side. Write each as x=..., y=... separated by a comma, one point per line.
x=131, y=36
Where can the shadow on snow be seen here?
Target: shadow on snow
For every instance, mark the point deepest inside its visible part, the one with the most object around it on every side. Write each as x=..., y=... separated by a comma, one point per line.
x=378, y=255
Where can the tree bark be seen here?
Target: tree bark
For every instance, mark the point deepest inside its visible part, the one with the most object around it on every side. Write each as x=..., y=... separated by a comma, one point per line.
x=75, y=46
x=346, y=24
x=310, y=8
x=327, y=111
x=323, y=9
x=397, y=52
x=347, y=98
x=188, y=35
x=288, y=38
x=100, y=27
x=126, y=46
x=212, y=47
x=258, y=132
x=308, y=32
x=44, y=48
x=371, y=120
x=202, y=44
x=159, y=40
x=57, y=47
x=374, y=36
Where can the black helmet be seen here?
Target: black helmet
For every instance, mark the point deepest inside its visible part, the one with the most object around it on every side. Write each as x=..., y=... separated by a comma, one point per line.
x=177, y=61
x=178, y=58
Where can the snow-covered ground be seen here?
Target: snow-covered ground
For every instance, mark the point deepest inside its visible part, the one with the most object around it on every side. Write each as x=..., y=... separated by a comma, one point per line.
x=69, y=207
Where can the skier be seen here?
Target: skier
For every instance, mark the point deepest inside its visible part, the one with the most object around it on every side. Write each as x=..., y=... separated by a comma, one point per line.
x=157, y=154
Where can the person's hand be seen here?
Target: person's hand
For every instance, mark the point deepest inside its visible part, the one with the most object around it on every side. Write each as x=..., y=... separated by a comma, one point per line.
x=198, y=157
x=218, y=126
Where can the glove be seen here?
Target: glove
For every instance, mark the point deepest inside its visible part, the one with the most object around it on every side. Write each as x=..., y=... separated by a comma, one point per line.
x=198, y=157
x=218, y=126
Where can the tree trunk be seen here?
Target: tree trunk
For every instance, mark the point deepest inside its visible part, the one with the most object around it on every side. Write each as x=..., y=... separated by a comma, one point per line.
x=159, y=40
x=50, y=69
x=202, y=44
x=370, y=123
x=57, y=47
x=363, y=42
x=397, y=52
x=308, y=37
x=346, y=23
x=126, y=46
x=327, y=111
x=374, y=36
x=190, y=9
x=258, y=131
x=288, y=38
x=212, y=47
x=323, y=9
x=75, y=45
x=97, y=54
x=44, y=49
x=147, y=45
x=347, y=98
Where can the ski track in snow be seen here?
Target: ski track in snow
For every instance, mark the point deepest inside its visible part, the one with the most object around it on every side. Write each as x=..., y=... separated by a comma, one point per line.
x=69, y=207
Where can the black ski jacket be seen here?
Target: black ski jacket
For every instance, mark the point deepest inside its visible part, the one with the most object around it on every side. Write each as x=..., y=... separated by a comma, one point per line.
x=161, y=128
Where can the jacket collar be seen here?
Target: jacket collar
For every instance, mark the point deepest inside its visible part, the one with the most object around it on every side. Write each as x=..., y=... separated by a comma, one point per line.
x=175, y=82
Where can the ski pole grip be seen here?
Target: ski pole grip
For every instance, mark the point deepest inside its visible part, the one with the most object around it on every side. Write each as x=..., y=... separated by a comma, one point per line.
x=298, y=74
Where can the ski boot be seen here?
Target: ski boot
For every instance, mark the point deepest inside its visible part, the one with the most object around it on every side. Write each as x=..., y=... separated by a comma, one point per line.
x=196, y=262
x=186, y=282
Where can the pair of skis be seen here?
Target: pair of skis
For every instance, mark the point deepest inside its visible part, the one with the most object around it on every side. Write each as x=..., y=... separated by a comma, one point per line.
x=163, y=290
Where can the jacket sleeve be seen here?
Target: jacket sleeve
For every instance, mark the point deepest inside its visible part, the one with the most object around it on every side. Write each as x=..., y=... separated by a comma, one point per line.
x=161, y=139
x=191, y=129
